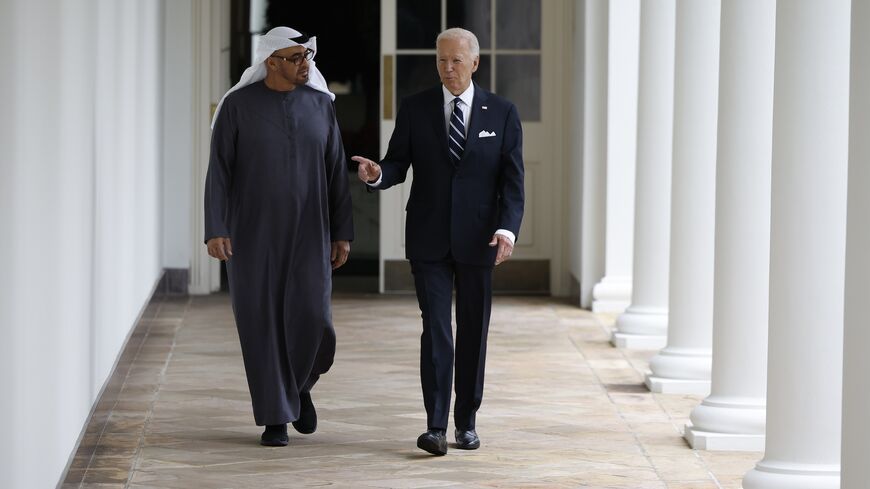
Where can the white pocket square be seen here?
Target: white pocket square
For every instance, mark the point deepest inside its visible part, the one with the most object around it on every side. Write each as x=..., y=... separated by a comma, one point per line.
x=485, y=134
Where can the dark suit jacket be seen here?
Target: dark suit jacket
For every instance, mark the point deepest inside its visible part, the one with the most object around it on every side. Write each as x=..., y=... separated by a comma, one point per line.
x=457, y=208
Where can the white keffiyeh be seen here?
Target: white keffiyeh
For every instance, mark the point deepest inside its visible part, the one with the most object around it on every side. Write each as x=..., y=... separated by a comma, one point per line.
x=275, y=39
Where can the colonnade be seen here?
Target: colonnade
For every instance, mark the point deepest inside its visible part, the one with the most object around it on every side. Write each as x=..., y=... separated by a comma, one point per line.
x=739, y=267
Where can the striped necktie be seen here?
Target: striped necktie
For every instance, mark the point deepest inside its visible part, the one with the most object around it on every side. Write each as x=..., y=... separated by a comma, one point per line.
x=456, y=140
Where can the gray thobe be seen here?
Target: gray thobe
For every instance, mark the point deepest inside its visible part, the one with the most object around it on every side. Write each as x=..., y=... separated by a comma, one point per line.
x=277, y=187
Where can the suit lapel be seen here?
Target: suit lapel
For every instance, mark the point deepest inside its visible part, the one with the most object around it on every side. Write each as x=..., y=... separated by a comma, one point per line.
x=477, y=115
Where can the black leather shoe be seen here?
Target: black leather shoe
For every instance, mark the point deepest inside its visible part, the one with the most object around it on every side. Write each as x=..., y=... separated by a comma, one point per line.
x=467, y=440
x=434, y=442
x=275, y=435
x=307, y=422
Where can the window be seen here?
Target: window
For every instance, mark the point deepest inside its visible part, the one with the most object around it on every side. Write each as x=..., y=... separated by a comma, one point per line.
x=509, y=32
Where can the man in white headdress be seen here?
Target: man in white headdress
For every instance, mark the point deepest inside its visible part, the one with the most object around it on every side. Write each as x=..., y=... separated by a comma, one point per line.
x=278, y=211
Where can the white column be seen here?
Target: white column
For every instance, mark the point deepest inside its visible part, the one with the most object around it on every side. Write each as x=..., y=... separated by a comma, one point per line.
x=645, y=323
x=684, y=365
x=590, y=150
x=856, y=361
x=807, y=241
x=207, y=26
x=732, y=417
x=613, y=293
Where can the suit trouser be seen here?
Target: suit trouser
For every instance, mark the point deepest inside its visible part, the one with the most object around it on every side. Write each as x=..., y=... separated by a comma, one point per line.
x=434, y=282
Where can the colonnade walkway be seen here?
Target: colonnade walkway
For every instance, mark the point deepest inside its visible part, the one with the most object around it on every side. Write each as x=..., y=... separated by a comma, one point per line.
x=562, y=409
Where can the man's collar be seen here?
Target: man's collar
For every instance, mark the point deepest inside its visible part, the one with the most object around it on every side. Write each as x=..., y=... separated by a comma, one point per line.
x=467, y=96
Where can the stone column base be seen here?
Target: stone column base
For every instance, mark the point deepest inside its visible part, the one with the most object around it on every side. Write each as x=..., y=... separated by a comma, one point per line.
x=642, y=328
x=677, y=386
x=615, y=307
x=612, y=295
x=786, y=475
x=638, y=341
x=730, y=442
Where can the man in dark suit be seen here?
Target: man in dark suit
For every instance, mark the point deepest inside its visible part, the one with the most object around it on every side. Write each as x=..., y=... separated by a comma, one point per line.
x=463, y=216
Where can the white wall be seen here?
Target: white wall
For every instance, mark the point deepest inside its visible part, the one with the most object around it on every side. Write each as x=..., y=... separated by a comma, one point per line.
x=7, y=244
x=594, y=31
x=80, y=215
x=177, y=133
x=856, y=362
x=574, y=154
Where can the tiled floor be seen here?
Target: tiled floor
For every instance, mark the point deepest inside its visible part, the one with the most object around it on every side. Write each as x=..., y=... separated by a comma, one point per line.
x=562, y=409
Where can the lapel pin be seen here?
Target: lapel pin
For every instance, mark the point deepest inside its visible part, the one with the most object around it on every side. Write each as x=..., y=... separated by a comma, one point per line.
x=483, y=107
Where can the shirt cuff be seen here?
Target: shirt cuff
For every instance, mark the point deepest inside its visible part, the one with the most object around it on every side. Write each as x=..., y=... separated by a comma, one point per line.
x=507, y=234
x=377, y=182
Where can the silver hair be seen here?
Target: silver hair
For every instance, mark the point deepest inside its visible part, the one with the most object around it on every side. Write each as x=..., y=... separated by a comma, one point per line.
x=459, y=33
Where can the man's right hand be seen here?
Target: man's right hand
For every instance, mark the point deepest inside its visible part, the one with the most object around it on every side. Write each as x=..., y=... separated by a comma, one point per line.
x=220, y=248
x=368, y=171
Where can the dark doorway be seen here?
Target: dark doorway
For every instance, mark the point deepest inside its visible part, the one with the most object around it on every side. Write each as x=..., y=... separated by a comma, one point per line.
x=348, y=55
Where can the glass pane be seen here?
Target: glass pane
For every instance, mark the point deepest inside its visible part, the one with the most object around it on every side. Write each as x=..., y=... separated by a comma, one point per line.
x=518, y=79
x=474, y=15
x=415, y=73
x=518, y=24
x=483, y=75
x=418, y=23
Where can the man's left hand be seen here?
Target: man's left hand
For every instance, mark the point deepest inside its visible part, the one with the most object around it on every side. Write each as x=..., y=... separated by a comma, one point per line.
x=338, y=255
x=505, y=248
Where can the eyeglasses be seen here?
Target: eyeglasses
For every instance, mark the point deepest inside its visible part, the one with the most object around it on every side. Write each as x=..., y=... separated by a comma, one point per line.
x=297, y=59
